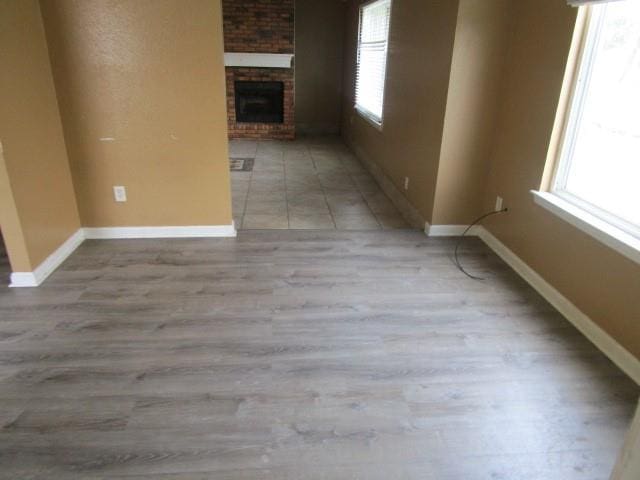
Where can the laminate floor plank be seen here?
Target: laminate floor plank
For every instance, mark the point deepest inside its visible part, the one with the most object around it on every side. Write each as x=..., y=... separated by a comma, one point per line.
x=299, y=355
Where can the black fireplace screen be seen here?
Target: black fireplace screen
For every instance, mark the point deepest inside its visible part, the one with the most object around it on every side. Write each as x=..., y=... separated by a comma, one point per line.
x=259, y=102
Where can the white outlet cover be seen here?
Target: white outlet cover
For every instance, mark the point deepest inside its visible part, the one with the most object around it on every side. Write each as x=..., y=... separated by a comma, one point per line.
x=120, y=193
x=406, y=183
x=499, y=203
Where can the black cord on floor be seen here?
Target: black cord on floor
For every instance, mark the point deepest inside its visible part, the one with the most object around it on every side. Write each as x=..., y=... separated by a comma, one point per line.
x=455, y=251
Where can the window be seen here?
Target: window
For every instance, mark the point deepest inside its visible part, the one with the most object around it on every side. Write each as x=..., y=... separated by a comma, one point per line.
x=598, y=169
x=372, y=59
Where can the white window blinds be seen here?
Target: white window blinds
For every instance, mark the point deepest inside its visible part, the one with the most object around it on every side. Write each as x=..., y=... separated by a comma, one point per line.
x=372, y=58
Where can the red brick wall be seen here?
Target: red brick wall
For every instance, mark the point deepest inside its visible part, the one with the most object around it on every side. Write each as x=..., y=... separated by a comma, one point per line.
x=260, y=26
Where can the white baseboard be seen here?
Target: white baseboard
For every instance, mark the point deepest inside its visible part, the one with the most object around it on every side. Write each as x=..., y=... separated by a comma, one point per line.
x=601, y=339
x=53, y=261
x=46, y=268
x=23, y=279
x=198, y=231
x=449, y=230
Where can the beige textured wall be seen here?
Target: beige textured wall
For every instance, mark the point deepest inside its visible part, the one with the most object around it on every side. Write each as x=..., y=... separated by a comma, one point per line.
x=38, y=210
x=479, y=51
x=140, y=85
x=10, y=226
x=420, y=50
x=319, y=61
x=601, y=282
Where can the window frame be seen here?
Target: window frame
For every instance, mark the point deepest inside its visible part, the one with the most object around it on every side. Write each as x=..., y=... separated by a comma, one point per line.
x=605, y=226
x=362, y=111
x=590, y=41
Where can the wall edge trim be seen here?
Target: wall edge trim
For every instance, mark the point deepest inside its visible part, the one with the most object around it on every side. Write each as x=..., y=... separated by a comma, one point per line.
x=22, y=280
x=601, y=339
x=49, y=265
x=193, y=231
x=449, y=230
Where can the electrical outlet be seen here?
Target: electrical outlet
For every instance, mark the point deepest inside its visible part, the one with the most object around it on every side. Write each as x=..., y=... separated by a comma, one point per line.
x=120, y=193
x=406, y=183
x=499, y=203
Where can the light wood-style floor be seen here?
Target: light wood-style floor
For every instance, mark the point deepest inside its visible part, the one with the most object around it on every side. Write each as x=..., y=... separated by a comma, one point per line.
x=299, y=355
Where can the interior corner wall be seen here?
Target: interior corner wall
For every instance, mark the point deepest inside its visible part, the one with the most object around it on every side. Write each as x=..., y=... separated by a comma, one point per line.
x=477, y=68
x=599, y=281
x=319, y=40
x=141, y=89
x=38, y=211
x=10, y=226
x=421, y=43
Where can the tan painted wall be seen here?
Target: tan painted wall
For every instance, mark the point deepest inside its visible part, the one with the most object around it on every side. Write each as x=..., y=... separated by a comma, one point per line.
x=601, y=282
x=148, y=74
x=319, y=61
x=38, y=211
x=474, y=90
x=10, y=226
x=420, y=50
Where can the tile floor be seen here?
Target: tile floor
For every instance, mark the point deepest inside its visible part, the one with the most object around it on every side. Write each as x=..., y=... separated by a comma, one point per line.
x=308, y=184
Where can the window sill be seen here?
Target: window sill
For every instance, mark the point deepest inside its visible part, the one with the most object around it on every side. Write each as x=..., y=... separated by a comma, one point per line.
x=374, y=123
x=613, y=237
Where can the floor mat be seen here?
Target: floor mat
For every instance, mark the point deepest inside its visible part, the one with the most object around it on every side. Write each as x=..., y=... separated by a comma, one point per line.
x=241, y=164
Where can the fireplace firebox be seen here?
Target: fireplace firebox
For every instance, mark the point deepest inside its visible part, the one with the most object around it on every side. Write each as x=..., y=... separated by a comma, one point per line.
x=259, y=102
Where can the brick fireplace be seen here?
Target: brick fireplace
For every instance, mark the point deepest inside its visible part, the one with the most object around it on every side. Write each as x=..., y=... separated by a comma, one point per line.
x=259, y=34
